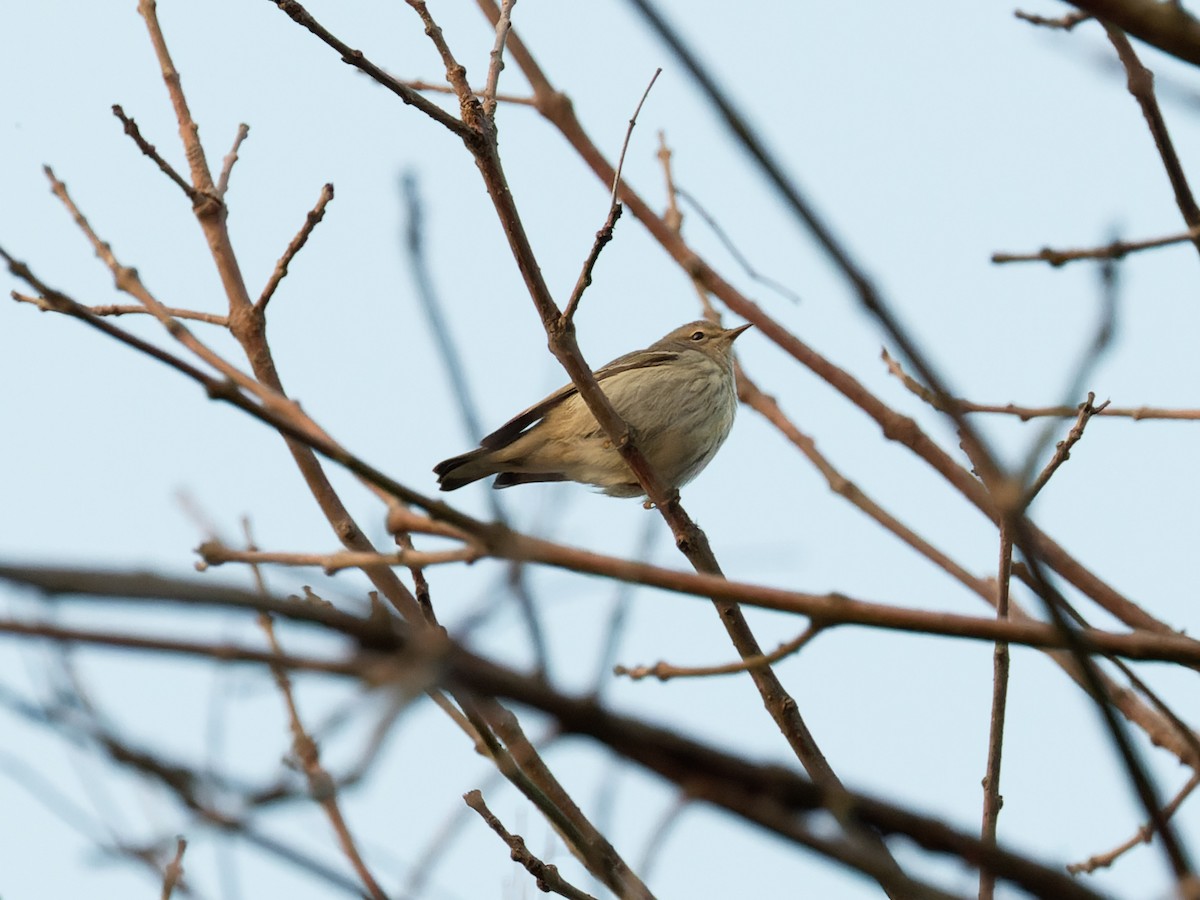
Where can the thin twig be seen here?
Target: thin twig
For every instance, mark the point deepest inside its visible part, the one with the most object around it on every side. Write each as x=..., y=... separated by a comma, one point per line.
x=546, y=876
x=1143, y=835
x=587, y=842
x=497, y=59
x=664, y=671
x=230, y=158
x=1063, y=23
x=1113, y=250
x=604, y=235
x=147, y=148
x=1025, y=413
x=992, y=801
x=1141, y=86
x=1090, y=357
x=1062, y=451
x=214, y=553
x=129, y=309
x=456, y=73
x=418, y=85
x=174, y=870
x=355, y=58
x=315, y=215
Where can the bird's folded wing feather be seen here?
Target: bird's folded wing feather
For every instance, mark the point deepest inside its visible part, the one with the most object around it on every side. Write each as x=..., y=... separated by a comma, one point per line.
x=514, y=427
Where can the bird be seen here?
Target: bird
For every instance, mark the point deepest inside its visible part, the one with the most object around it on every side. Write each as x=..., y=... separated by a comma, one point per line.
x=678, y=396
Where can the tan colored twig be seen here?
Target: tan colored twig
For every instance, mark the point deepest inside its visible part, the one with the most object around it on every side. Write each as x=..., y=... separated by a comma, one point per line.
x=1113, y=250
x=1025, y=413
x=149, y=150
x=546, y=876
x=129, y=309
x=605, y=234
x=664, y=671
x=1143, y=835
x=173, y=873
x=1063, y=23
x=315, y=215
x=992, y=801
x=418, y=85
x=214, y=553
x=531, y=775
x=1140, y=81
x=1062, y=451
x=496, y=64
x=456, y=74
x=355, y=58
x=230, y=159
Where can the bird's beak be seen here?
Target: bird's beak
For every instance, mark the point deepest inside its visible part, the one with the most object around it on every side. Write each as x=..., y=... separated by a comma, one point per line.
x=732, y=333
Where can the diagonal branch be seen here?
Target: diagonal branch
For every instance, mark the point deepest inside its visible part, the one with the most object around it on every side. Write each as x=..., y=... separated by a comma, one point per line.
x=1141, y=85
x=151, y=151
x=315, y=215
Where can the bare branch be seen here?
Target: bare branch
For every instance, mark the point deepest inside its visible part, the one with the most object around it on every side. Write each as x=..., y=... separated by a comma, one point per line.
x=497, y=59
x=1063, y=451
x=232, y=157
x=174, y=871
x=665, y=671
x=547, y=877
x=1141, y=85
x=215, y=553
x=1114, y=250
x=992, y=801
x=129, y=309
x=1064, y=23
x=315, y=215
x=147, y=148
x=1143, y=836
x=355, y=58
x=419, y=85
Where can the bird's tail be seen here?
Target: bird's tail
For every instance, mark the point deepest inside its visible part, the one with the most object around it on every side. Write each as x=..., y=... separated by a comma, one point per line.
x=457, y=471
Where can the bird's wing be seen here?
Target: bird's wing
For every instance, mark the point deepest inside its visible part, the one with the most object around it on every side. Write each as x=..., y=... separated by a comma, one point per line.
x=517, y=425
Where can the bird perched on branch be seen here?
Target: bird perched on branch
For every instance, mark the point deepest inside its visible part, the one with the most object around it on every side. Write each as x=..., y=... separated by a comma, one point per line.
x=678, y=396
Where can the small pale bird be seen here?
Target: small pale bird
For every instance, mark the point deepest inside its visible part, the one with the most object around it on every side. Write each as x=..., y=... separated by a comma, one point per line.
x=678, y=396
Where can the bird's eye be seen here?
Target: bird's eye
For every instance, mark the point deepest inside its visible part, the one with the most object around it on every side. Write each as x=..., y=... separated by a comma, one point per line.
x=698, y=336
